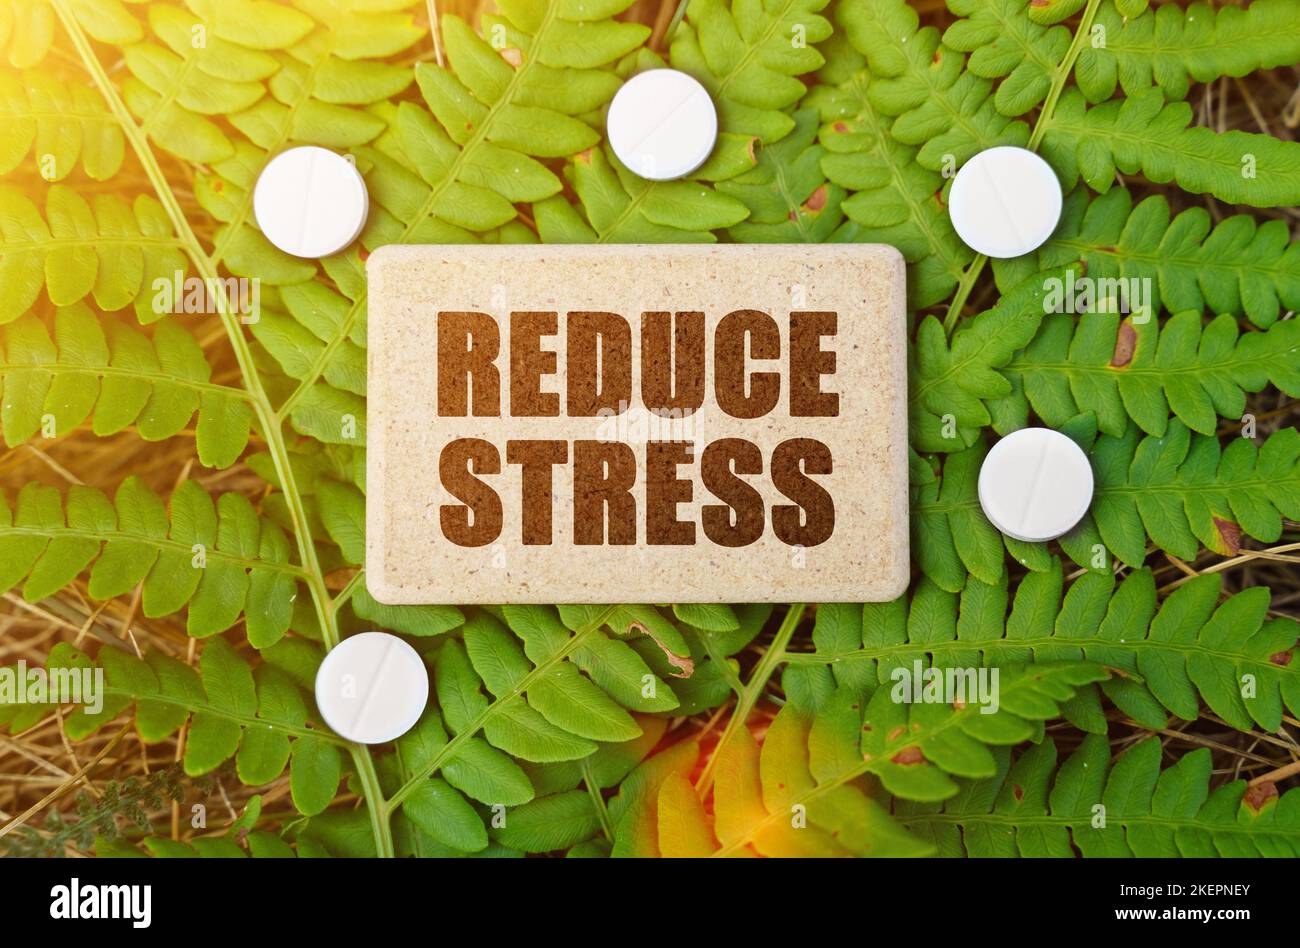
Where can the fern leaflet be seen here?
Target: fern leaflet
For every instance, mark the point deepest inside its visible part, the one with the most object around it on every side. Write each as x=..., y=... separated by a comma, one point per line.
x=114, y=251
x=1121, y=369
x=222, y=560
x=1036, y=809
x=1172, y=47
x=1233, y=266
x=122, y=377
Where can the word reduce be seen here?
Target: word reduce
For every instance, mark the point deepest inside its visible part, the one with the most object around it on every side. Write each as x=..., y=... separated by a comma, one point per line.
x=598, y=379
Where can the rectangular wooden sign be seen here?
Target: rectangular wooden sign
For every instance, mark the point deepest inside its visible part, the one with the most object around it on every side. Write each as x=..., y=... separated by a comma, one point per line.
x=585, y=424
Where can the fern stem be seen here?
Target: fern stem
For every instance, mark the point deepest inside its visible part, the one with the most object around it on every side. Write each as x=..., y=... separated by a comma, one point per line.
x=1032, y=643
x=1059, y=79
x=678, y=15
x=597, y=801
x=117, y=372
x=968, y=279
x=1062, y=76
x=159, y=543
x=267, y=417
x=380, y=825
x=746, y=700
x=243, y=354
x=348, y=591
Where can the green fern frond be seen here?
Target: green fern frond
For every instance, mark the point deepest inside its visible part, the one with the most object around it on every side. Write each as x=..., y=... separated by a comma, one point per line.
x=1178, y=491
x=438, y=808
x=492, y=114
x=951, y=537
x=261, y=845
x=915, y=750
x=299, y=329
x=1004, y=44
x=547, y=807
x=750, y=59
x=257, y=716
x=566, y=703
x=1033, y=808
x=950, y=380
x=26, y=32
x=940, y=106
x=117, y=376
x=20, y=716
x=342, y=509
x=191, y=75
x=822, y=741
x=1146, y=134
x=620, y=207
x=324, y=91
x=1120, y=369
x=114, y=252
x=1170, y=654
x=1172, y=46
x=564, y=712
x=27, y=26
x=58, y=124
x=890, y=197
x=692, y=654
x=787, y=194
x=1182, y=488
x=1236, y=265
x=221, y=560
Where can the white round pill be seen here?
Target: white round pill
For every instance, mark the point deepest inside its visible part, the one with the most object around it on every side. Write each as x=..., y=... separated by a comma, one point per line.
x=662, y=124
x=1035, y=484
x=310, y=202
x=372, y=688
x=1005, y=202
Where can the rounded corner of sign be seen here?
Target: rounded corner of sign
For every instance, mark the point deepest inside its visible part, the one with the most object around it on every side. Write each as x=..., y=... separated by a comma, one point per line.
x=381, y=257
x=383, y=592
x=894, y=586
x=895, y=258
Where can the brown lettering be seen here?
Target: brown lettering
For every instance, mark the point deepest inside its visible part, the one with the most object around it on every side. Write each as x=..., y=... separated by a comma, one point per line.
x=720, y=464
x=791, y=460
x=599, y=364
x=729, y=358
x=672, y=366
x=478, y=521
x=529, y=362
x=604, y=473
x=536, y=459
x=467, y=345
x=664, y=490
x=808, y=363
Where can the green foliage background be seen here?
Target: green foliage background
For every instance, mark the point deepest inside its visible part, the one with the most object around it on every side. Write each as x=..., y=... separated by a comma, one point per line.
x=134, y=132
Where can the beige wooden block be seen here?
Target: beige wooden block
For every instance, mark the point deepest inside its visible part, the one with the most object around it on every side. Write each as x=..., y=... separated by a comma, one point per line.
x=520, y=463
